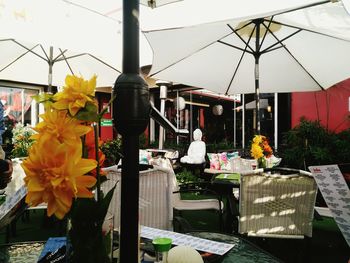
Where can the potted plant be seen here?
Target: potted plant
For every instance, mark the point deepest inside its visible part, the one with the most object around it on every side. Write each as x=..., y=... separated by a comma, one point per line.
x=112, y=151
x=309, y=143
x=22, y=140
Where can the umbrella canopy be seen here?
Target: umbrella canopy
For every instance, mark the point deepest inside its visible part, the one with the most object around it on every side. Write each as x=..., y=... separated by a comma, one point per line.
x=36, y=63
x=191, y=12
x=70, y=40
x=292, y=49
x=286, y=51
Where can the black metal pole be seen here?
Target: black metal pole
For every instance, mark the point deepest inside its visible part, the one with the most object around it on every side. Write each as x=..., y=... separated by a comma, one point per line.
x=131, y=110
x=256, y=72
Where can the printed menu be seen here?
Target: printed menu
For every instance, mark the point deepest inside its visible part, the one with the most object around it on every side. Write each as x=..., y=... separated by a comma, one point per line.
x=197, y=243
x=336, y=193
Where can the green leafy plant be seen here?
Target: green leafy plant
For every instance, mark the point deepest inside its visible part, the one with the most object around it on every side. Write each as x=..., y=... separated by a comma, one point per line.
x=112, y=151
x=309, y=143
x=186, y=177
x=21, y=140
x=220, y=146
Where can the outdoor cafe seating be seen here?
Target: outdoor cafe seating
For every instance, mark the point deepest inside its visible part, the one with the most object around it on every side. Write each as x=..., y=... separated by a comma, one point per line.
x=277, y=203
x=270, y=204
x=159, y=197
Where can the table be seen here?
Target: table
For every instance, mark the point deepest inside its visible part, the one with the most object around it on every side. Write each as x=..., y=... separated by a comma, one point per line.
x=224, y=187
x=243, y=251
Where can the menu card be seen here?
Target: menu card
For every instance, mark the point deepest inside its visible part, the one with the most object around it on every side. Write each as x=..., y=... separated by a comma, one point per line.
x=336, y=193
x=197, y=243
x=12, y=201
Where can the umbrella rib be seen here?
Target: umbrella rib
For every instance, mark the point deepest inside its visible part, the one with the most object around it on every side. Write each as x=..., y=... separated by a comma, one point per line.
x=88, y=54
x=270, y=48
x=240, y=60
x=267, y=30
x=47, y=57
x=29, y=50
x=22, y=55
x=234, y=74
x=245, y=42
x=309, y=30
x=297, y=61
x=60, y=55
x=239, y=48
x=65, y=59
x=90, y=10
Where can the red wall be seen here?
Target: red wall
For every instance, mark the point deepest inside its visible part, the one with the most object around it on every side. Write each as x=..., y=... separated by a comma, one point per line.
x=313, y=106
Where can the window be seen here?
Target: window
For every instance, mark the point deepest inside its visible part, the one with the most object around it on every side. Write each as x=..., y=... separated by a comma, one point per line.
x=19, y=105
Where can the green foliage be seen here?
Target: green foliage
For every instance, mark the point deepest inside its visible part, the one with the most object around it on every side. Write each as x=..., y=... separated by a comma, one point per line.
x=21, y=140
x=112, y=151
x=185, y=177
x=88, y=113
x=143, y=141
x=220, y=146
x=309, y=143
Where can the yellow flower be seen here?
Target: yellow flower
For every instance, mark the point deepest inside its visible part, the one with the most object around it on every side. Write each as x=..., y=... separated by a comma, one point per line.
x=76, y=93
x=257, y=139
x=58, y=125
x=57, y=176
x=256, y=151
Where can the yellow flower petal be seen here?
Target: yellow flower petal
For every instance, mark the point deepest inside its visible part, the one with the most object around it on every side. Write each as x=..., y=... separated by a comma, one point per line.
x=75, y=94
x=58, y=175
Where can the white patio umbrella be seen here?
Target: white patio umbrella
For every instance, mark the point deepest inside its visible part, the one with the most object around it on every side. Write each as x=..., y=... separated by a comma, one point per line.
x=35, y=63
x=280, y=51
x=182, y=13
x=157, y=3
x=42, y=46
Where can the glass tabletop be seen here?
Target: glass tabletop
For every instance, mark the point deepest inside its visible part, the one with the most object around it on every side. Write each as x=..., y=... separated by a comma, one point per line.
x=24, y=252
x=243, y=251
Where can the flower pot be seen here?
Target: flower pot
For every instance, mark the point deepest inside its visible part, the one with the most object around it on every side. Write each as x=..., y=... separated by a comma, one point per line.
x=90, y=241
x=262, y=162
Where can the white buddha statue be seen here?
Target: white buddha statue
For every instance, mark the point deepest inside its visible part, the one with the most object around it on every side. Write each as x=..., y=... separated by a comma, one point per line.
x=196, y=151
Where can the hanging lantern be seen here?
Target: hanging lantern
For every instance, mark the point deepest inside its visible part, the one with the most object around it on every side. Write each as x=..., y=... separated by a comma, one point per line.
x=218, y=110
x=182, y=103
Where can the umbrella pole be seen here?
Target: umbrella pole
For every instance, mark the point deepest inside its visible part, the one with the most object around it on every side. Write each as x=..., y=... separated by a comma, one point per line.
x=276, y=121
x=49, y=87
x=256, y=73
x=131, y=110
x=243, y=121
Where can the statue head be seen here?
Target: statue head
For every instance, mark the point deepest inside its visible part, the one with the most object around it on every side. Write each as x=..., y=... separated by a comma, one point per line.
x=197, y=135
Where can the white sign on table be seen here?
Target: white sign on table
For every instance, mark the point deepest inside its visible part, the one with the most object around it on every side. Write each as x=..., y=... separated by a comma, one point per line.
x=201, y=244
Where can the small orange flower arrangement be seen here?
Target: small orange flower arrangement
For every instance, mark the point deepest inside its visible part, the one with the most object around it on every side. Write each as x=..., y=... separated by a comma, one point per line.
x=260, y=149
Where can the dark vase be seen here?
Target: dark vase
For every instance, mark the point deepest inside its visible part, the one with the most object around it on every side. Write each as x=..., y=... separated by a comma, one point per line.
x=262, y=162
x=90, y=241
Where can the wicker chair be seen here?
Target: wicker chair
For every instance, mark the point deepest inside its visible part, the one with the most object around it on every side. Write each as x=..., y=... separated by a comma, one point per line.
x=277, y=203
x=159, y=196
x=155, y=201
